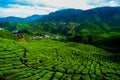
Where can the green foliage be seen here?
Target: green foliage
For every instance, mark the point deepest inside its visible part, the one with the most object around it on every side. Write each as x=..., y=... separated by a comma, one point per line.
x=21, y=26
x=107, y=15
x=46, y=59
x=7, y=35
x=65, y=15
x=88, y=33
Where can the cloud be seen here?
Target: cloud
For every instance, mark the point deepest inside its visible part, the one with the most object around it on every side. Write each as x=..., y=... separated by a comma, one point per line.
x=48, y=3
x=81, y=4
x=24, y=11
x=23, y=8
x=100, y=3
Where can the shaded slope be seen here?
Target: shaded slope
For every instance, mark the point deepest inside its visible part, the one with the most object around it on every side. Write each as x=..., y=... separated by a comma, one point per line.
x=110, y=43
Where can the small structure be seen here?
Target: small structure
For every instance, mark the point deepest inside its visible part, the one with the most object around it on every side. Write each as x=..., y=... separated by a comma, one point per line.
x=18, y=33
x=36, y=37
x=46, y=36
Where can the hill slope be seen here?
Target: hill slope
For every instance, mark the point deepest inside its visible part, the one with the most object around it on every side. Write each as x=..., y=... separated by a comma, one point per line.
x=98, y=16
x=18, y=19
x=65, y=15
x=7, y=35
x=48, y=60
x=75, y=15
x=84, y=26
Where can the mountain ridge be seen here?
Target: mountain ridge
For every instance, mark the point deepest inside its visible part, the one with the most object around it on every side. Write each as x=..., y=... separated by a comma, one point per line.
x=99, y=14
x=31, y=18
x=81, y=16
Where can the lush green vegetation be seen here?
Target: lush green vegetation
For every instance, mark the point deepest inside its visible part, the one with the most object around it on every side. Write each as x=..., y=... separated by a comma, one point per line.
x=88, y=33
x=46, y=59
x=7, y=35
x=69, y=44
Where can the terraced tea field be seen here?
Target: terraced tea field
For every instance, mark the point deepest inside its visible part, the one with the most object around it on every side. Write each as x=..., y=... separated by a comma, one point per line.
x=51, y=60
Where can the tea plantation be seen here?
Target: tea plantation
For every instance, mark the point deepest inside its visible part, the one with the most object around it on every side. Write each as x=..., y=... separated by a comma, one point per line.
x=46, y=59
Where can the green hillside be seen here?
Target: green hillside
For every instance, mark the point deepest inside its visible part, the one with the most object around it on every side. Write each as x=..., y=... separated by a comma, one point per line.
x=109, y=15
x=46, y=59
x=68, y=44
x=7, y=35
x=94, y=26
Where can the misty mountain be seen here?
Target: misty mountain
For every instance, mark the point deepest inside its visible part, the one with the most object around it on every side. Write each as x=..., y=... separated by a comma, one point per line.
x=33, y=18
x=65, y=15
x=18, y=19
x=99, y=16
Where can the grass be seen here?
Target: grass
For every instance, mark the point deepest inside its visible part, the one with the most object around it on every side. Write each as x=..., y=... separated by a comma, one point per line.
x=46, y=59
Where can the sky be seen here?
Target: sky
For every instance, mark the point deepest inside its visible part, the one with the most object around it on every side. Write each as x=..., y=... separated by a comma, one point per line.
x=24, y=8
